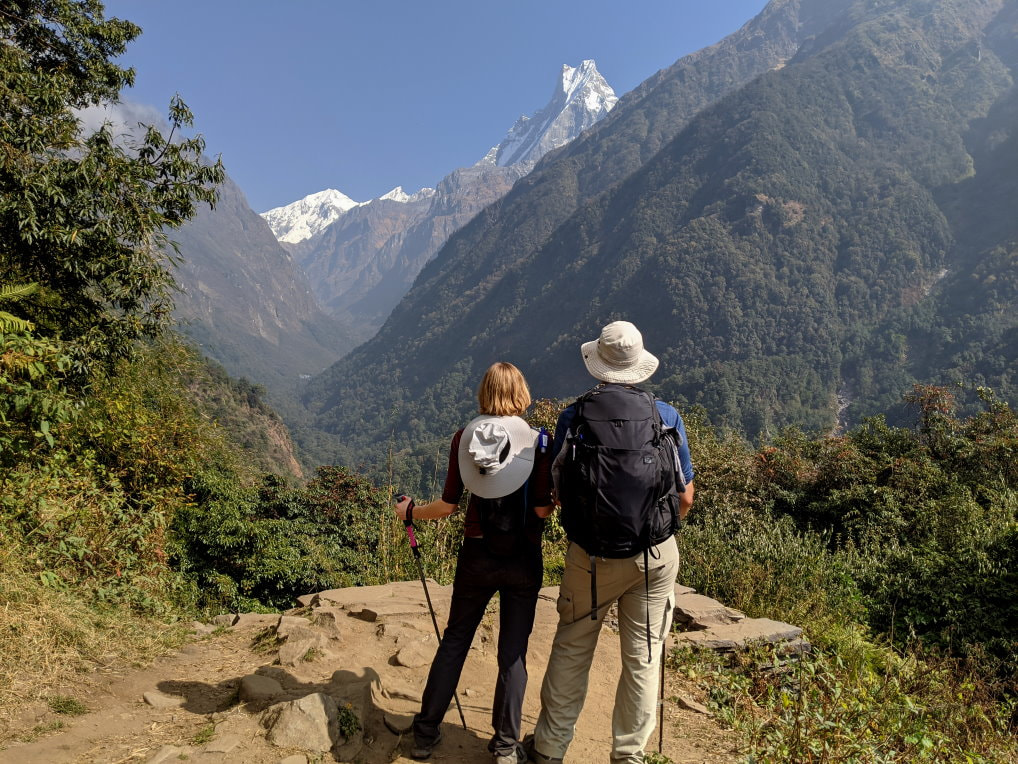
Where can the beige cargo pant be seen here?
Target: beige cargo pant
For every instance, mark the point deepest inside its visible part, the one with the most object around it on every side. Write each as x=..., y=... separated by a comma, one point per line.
x=565, y=682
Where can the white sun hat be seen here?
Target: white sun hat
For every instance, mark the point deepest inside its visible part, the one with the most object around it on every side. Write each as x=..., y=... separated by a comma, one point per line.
x=496, y=455
x=618, y=355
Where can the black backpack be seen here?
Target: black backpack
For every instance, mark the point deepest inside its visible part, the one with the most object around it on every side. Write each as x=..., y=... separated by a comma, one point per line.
x=619, y=478
x=504, y=522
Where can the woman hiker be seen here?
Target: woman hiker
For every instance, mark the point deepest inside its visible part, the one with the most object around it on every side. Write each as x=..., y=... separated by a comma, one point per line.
x=504, y=464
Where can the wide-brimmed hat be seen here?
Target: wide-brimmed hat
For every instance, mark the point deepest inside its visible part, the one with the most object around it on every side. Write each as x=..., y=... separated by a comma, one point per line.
x=618, y=355
x=496, y=455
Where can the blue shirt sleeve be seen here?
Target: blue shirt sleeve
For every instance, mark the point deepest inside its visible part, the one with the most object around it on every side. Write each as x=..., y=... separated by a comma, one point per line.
x=671, y=418
x=565, y=419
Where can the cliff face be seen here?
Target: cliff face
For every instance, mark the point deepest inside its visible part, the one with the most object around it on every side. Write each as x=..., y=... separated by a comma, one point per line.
x=245, y=301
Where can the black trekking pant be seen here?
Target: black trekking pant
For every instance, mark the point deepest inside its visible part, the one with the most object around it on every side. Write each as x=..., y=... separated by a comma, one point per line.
x=478, y=576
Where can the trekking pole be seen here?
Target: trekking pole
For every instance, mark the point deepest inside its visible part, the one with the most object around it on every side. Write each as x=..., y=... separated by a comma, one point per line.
x=661, y=704
x=664, y=646
x=409, y=524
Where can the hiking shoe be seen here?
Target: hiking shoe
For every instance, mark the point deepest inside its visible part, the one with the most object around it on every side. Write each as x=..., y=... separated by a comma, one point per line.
x=534, y=755
x=422, y=752
x=518, y=756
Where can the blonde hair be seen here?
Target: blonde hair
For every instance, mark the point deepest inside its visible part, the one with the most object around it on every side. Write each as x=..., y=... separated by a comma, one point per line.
x=503, y=391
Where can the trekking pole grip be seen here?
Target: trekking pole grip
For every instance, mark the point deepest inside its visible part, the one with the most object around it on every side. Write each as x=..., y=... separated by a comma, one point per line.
x=408, y=521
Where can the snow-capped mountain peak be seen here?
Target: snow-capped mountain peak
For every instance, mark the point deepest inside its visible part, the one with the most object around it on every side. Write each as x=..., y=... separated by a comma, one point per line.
x=399, y=195
x=585, y=82
x=305, y=217
x=581, y=98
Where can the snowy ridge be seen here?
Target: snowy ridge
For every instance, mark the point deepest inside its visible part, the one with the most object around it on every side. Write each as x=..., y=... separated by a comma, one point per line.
x=305, y=217
x=399, y=195
x=581, y=98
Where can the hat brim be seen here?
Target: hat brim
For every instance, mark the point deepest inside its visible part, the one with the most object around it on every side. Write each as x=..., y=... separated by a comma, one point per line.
x=630, y=374
x=519, y=465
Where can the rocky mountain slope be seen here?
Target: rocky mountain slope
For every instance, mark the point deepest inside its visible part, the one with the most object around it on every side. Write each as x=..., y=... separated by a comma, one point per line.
x=246, y=303
x=363, y=260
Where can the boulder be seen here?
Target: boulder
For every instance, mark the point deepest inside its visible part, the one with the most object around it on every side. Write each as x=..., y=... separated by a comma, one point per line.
x=255, y=687
x=308, y=600
x=355, y=698
x=327, y=619
x=695, y=611
x=680, y=590
x=303, y=645
x=288, y=622
x=417, y=653
x=737, y=636
x=310, y=723
x=226, y=619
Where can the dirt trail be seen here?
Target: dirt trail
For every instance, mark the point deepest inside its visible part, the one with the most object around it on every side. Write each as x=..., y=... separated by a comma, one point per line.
x=212, y=726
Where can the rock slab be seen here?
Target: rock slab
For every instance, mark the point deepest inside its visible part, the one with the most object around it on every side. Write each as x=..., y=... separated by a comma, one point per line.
x=736, y=636
x=255, y=620
x=695, y=611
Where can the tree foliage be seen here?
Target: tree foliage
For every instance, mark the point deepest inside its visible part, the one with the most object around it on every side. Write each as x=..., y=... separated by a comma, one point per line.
x=84, y=216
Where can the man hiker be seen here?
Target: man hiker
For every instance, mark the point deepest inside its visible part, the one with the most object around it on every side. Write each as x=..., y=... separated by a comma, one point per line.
x=623, y=477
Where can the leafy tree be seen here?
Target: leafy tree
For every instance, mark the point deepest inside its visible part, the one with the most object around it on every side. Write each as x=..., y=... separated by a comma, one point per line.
x=85, y=216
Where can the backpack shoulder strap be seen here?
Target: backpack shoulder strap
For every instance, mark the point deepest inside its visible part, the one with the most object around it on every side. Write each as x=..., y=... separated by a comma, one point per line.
x=586, y=397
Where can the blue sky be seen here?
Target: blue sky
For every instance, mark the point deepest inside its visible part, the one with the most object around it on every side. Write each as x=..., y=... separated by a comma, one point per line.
x=303, y=95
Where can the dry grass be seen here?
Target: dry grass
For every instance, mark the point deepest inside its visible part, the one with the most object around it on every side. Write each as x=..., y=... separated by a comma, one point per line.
x=49, y=639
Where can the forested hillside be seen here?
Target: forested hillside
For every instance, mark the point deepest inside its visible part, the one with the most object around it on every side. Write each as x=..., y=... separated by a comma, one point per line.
x=807, y=238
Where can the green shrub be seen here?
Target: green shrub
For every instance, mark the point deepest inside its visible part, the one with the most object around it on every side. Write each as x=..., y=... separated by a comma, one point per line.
x=856, y=702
